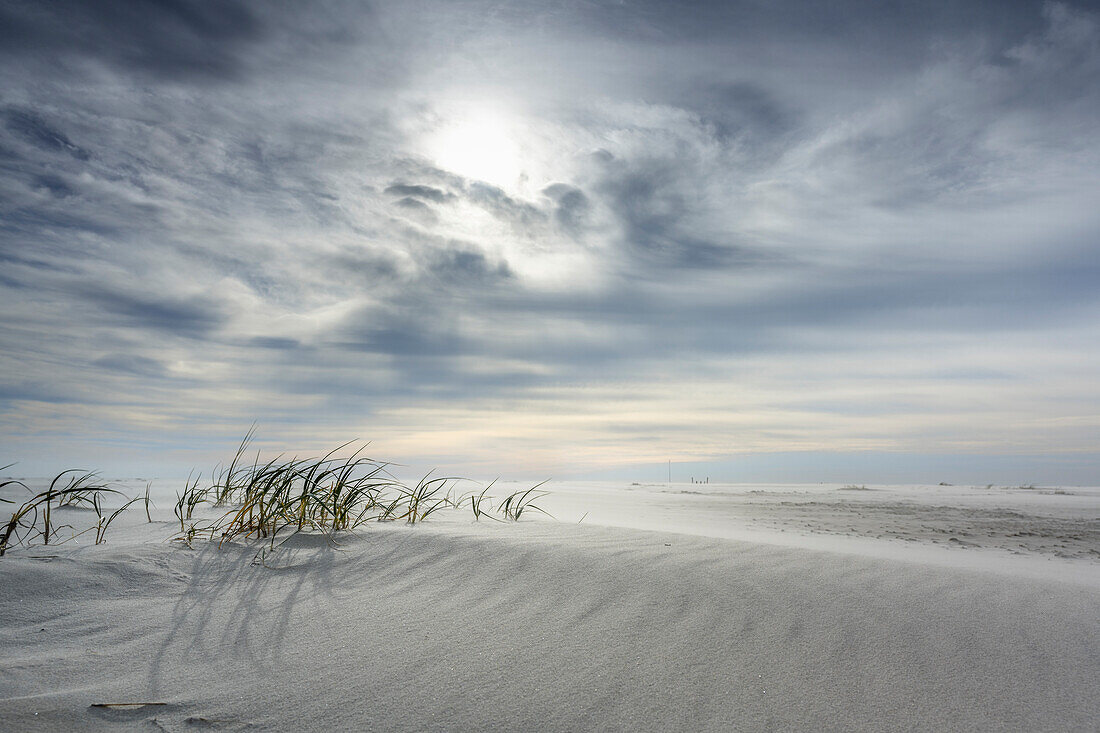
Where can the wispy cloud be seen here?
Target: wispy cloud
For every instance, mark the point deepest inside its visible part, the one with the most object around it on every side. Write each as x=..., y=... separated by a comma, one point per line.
x=739, y=227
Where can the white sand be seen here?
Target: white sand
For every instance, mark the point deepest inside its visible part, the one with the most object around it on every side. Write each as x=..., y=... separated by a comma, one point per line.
x=452, y=625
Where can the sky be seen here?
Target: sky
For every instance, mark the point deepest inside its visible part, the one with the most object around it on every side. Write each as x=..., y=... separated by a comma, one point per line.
x=761, y=240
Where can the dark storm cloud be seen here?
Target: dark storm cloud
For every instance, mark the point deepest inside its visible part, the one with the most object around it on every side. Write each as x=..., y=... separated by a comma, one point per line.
x=961, y=302
x=44, y=217
x=432, y=261
x=16, y=258
x=275, y=342
x=356, y=263
x=43, y=391
x=843, y=306
x=466, y=266
x=167, y=38
x=504, y=207
x=741, y=111
x=417, y=210
x=428, y=193
x=192, y=317
x=891, y=29
x=402, y=334
x=749, y=120
x=572, y=206
x=56, y=185
x=141, y=366
x=524, y=216
x=40, y=133
x=652, y=200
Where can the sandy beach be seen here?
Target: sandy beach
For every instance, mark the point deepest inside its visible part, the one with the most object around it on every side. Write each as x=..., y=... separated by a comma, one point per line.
x=803, y=622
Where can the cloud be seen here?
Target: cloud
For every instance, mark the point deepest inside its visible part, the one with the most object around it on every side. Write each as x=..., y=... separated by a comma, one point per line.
x=658, y=203
x=573, y=206
x=426, y=193
x=39, y=133
x=192, y=317
x=162, y=38
x=400, y=333
x=744, y=225
x=275, y=342
x=520, y=214
x=417, y=210
x=141, y=366
x=467, y=267
x=743, y=114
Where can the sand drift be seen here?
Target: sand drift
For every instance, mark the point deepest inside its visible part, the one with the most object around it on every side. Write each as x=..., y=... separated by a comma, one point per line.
x=708, y=608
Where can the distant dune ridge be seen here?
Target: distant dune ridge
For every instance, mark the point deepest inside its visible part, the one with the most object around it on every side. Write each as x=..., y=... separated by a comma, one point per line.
x=552, y=624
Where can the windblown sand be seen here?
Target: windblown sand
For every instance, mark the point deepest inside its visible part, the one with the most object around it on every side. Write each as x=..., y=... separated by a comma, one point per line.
x=791, y=608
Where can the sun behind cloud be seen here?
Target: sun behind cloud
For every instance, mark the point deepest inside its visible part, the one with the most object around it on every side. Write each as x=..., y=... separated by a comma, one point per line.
x=478, y=144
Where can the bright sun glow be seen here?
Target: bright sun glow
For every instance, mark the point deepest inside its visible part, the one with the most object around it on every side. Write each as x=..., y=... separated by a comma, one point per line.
x=479, y=146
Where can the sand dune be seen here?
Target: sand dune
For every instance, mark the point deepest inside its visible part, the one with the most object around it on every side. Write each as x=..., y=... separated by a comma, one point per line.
x=453, y=625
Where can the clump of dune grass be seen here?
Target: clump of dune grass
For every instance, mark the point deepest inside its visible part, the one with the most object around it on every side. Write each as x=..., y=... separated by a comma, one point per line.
x=34, y=520
x=148, y=502
x=186, y=501
x=416, y=503
x=481, y=503
x=266, y=500
x=326, y=494
x=104, y=520
x=513, y=506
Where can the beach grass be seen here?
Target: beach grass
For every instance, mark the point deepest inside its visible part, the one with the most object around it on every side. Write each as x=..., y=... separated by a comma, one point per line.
x=34, y=519
x=481, y=502
x=267, y=500
x=513, y=506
